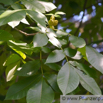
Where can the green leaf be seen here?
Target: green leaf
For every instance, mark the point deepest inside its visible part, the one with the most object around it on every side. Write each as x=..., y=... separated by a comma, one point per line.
x=52, y=80
x=83, y=52
x=21, y=48
x=38, y=17
x=49, y=14
x=70, y=52
x=60, y=13
x=61, y=33
x=51, y=35
x=94, y=58
x=35, y=28
x=37, y=49
x=55, y=42
x=20, y=53
x=34, y=5
x=63, y=41
x=16, y=49
x=11, y=59
x=19, y=90
x=12, y=15
x=77, y=41
x=24, y=21
x=46, y=49
x=2, y=9
x=67, y=79
x=46, y=68
x=40, y=93
x=54, y=66
x=5, y=36
x=3, y=57
x=40, y=40
x=89, y=83
x=55, y=56
x=10, y=70
x=29, y=68
x=78, y=56
x=6, y=2
x=16, y=23
x=16, y=5
x=48, y=6
x=89, y=71
x=58, y=16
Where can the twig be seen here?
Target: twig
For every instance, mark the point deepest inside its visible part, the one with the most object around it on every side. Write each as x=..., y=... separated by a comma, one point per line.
x=26, y=34
x=82, y=17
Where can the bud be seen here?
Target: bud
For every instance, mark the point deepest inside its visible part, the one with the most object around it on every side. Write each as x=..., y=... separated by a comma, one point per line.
x=50, y=22
x=55, y=22
x=52, y=27
x=52, y=17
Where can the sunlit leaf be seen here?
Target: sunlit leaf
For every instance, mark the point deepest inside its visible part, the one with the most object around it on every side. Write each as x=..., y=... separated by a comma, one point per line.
x=60, y=13
x=77, y=56
x=48, y=5
x=34, y=5
x=10, y=70
x=38, y=17
x=16, y=49
x=12, y=15
x=55, y=42
x=21, y=48
x=16, y=23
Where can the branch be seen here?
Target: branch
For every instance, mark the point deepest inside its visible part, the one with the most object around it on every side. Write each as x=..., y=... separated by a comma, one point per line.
x=82, y=17
x=26, y=34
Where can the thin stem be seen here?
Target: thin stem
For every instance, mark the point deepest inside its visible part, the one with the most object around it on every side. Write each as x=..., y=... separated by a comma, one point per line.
x=41, y=62
x=26, y=34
